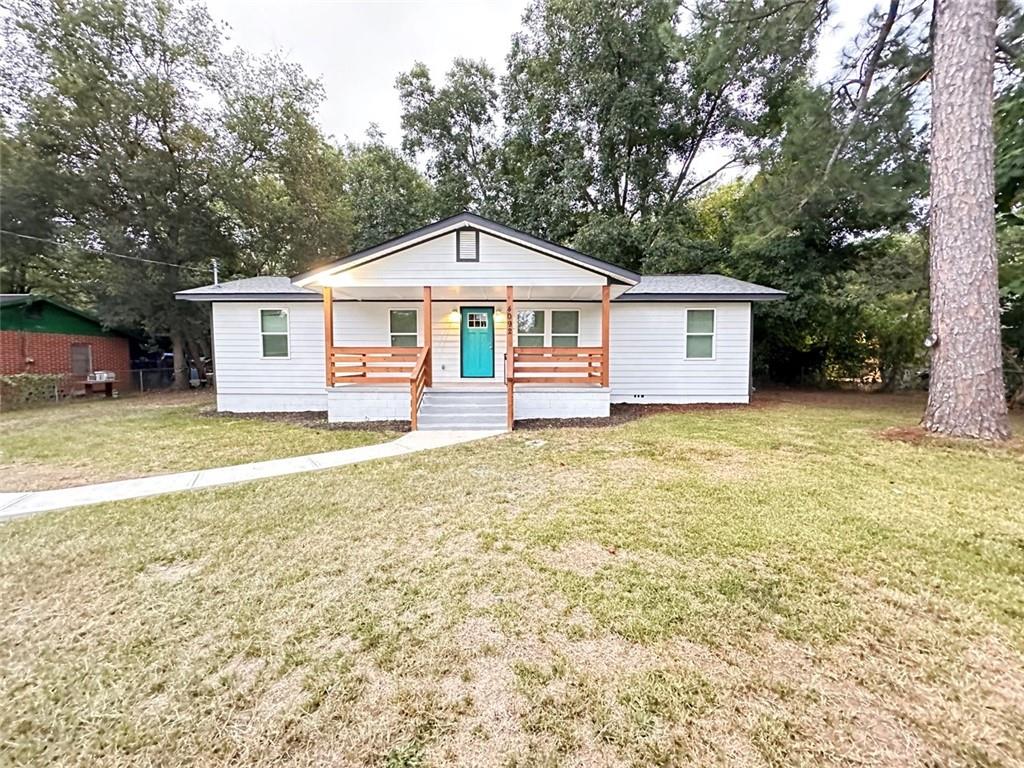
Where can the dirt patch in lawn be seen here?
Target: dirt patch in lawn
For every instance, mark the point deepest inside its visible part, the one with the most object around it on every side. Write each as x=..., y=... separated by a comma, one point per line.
x=920, y=436
x=623, y=413
x=170, y=573
x=310, y=420
x=36, y=476
x=585, y=558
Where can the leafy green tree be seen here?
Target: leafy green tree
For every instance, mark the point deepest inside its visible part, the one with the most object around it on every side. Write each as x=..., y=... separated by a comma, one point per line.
x=389, y=196
x=113, y=111
x=134, y=134
x=453, y=128
x=629, y=98
x=280, y=179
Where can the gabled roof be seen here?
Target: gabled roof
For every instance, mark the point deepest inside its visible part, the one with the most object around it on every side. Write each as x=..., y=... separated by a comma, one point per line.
x=472, y=221
x=698, y=288
x=275, y=288
x=9, y=301
x=19, y=299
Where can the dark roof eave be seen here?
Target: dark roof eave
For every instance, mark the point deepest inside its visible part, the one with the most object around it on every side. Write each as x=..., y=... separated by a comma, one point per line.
x=294, y=296
x=626, y=297
x=648, y=297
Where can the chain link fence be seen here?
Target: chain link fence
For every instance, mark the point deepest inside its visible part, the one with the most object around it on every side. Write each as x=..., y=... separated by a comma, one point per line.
x=21, y=390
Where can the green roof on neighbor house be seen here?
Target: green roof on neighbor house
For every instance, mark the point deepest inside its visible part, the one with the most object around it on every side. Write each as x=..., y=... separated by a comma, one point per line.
x=39, y=314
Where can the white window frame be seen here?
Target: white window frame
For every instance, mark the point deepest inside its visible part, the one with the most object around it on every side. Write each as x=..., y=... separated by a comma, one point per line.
x=287, y=332
x=543, y=334
x=391, y=333
x=713, y=334
x=549, y=323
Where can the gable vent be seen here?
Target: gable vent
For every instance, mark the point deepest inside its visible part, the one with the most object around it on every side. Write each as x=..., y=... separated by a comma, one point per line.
x=467, y=245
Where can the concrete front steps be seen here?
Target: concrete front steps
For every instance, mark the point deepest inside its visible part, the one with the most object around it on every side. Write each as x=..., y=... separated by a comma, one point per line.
x=459, y=410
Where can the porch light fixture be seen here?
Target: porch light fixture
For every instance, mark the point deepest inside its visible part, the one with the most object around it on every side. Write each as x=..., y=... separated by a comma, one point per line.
x=455, y=316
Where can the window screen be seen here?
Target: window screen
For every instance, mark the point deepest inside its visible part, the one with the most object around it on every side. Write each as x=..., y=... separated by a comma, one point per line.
x=81, y=359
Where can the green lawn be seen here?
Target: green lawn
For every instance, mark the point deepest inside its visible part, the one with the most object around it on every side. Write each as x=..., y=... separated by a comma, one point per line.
x=765, y=586
x=101, y=440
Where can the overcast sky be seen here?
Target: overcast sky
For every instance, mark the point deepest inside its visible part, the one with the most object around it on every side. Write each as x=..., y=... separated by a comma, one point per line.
x=357, y=48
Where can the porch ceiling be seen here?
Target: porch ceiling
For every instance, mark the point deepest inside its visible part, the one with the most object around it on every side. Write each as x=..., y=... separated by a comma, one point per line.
x=495, y=293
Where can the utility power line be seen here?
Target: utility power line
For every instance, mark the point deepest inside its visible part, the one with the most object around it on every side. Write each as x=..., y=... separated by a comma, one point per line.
x=102, y=251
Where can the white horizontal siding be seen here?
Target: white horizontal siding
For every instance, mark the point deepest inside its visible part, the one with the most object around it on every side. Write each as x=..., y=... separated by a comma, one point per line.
x=648, y=354
x=242, y=370
x=433, y=263
x=366, y=323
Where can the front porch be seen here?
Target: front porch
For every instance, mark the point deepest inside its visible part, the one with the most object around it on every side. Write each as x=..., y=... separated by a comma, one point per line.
x=537, y=352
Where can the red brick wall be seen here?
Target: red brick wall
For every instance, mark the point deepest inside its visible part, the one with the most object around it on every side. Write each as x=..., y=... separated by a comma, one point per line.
x=25, y=352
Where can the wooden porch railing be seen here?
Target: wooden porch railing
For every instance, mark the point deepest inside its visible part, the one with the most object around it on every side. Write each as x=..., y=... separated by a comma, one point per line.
x=372, y=365
x=557, y=365
x=417, y=384
x=383, y=365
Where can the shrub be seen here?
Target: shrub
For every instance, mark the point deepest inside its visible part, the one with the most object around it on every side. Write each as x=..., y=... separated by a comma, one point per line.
x=20, y=389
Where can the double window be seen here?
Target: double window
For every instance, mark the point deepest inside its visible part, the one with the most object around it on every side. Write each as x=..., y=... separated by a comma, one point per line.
x=402, y=327
x=700, y=334
x=274, y=332
x=548, y=328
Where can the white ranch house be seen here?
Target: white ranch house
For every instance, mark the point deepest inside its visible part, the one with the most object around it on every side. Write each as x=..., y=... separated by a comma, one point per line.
x=467, y=323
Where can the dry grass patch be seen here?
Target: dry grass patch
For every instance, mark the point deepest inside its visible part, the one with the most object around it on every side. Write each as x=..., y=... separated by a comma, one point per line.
x=568, y=597
x=102, y=440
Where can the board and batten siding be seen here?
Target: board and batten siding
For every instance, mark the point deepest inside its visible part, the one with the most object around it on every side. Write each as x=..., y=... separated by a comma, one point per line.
x=501, y=263
x=648, y=354
x=248, y=382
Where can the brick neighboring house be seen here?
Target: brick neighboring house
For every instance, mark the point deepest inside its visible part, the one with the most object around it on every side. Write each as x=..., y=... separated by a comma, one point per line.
x=41, y=335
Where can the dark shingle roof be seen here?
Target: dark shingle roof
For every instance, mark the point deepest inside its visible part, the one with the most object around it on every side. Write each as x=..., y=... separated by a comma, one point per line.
x=650, y=288
x=269, y=287
x=698, y=288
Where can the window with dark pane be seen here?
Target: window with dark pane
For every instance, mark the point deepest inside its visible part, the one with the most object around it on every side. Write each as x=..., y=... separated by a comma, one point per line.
x=403, y=328
x=530, y=327
x=565, y=328
x=274, y=332
x=81, y=359
x=700, y=334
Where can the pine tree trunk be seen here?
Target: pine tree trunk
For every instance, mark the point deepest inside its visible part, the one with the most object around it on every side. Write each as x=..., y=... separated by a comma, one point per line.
x=966, y=395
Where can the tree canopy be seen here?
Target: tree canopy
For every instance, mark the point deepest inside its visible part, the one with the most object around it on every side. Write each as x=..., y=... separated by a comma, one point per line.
x=662, y=135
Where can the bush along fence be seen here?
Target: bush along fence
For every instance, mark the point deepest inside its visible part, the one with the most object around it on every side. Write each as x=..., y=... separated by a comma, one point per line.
x=19, y=390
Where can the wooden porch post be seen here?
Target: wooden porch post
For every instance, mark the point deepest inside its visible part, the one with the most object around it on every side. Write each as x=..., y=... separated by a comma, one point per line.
x=329, y=335
x=428, y=334
x=606, y=295
x=510, y=318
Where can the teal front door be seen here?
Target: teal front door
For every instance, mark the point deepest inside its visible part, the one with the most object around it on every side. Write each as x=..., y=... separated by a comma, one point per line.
x=478, y=342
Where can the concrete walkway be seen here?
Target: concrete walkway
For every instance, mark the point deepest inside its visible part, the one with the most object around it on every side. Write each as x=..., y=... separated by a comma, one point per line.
x=18, y=504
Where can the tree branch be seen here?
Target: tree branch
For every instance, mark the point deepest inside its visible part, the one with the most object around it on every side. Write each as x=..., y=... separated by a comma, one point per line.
x=863, y=92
